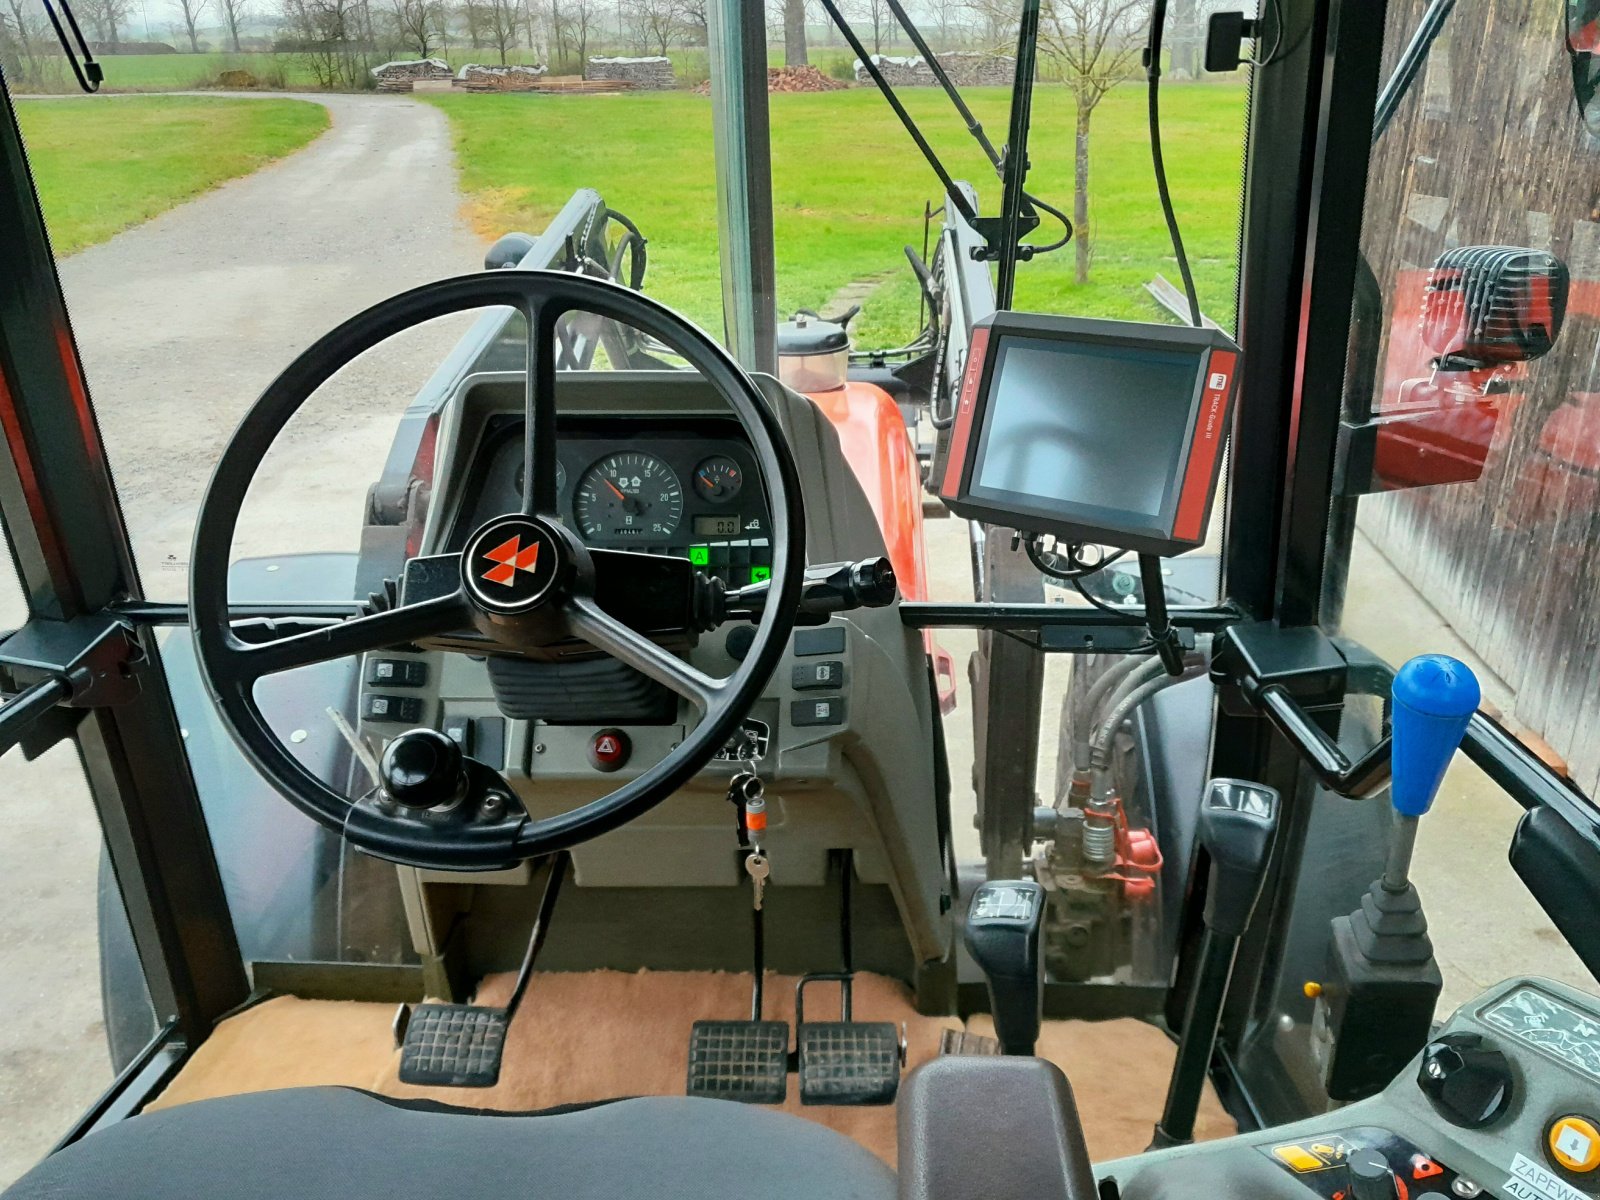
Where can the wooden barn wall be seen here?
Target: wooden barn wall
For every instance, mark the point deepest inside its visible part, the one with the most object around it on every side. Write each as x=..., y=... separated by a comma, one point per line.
x=1489, y=149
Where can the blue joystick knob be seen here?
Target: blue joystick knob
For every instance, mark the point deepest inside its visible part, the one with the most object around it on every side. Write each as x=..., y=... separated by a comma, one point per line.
x=1434, y=698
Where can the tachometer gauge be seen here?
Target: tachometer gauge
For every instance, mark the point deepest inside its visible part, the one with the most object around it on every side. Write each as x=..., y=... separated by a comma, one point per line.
x=561, y=477
x=629, y=495
x=718, y=479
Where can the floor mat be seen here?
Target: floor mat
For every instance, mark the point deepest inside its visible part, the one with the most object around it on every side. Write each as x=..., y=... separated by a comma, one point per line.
x=601, y=1034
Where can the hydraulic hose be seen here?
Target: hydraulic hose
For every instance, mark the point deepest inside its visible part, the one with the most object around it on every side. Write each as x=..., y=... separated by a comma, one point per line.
x=1100, y=750
x=1129, y=673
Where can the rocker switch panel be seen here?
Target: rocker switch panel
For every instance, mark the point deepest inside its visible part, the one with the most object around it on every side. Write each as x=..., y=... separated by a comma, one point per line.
x=817, y=710
x=827, y=674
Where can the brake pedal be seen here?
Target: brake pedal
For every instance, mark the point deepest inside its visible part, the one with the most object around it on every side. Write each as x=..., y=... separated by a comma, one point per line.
x=846, y=1062
x=453, y=1045
x=747, y=1061
x=461, y=1045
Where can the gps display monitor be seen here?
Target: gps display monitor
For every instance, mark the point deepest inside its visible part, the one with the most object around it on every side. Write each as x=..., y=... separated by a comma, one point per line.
x=1094, y=431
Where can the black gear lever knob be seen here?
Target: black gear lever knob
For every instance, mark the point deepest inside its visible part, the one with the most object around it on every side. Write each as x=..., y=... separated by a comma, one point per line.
x=422, y=768
x=1003, y=933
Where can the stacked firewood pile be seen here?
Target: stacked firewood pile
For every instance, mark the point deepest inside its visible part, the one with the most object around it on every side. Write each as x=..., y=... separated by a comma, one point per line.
x=401, y=76
x=475, y=77
x=792, y=79
x=966, y=68
x=645, y=74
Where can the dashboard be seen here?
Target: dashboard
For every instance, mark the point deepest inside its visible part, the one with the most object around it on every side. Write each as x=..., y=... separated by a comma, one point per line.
x=687, y=488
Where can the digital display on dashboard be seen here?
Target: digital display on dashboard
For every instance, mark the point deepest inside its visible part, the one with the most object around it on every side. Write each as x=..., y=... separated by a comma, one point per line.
x=716, y=526
x=1091, y=430
x=1097, y=426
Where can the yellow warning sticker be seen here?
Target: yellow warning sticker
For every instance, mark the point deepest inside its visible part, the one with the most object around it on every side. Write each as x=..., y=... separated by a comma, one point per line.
x=1305, y=1157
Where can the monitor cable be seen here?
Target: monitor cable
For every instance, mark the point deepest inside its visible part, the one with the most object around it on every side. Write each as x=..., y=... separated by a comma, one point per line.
x=1152, y=65
x=1155, y=593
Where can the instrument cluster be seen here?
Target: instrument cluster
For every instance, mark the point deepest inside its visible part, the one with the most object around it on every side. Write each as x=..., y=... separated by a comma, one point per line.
x=682, y=489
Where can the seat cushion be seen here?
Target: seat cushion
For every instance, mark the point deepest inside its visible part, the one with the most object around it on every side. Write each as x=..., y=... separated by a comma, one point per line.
x=330, y=1143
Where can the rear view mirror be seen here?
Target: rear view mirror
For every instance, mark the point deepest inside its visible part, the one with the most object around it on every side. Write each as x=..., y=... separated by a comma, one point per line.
x=1583, y=49
x=1484, y=310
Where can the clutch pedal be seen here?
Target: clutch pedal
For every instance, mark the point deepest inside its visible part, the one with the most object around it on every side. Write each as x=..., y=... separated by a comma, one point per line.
x=461, y=1045
x=454, y=1045
x=746, y=1061
x=846, y=1062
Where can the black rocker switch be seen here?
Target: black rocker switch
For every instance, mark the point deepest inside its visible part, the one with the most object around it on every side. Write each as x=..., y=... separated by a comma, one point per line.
x=1003, y=926
x=422, y=769
x=1467, y=1081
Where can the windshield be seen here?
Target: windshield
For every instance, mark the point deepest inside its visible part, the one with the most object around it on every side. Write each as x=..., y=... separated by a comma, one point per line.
x=251, y=176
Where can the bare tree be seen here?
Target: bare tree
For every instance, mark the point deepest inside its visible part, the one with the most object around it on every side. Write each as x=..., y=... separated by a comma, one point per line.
x=877, y=18
x=24, y=38
x=1095, y=43
x=794, y=33
x=656, y=25
x=192, y=11
x=472, y=17
x=996, y=20
x=326, y=35
x=234, y=14
x=696, y=22
x=106, y=18
x=500, y=26
x=580, y=22
x=417, y=22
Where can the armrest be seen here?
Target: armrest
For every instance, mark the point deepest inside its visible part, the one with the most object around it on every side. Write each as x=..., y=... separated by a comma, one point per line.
x=973, y=1127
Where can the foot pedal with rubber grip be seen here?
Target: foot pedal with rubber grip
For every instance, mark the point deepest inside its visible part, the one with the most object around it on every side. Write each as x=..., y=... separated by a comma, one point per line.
x=849, y=1062
x=453, y=1045
x=747, y=1061
x=846, y=1061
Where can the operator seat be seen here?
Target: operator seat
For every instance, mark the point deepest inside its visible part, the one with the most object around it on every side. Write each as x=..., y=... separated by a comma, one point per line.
x=335, y=1143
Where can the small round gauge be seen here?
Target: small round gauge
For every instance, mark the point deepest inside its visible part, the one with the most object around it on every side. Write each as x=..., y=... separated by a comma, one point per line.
x=561, y=476
x=718, y=479
x=628, y=495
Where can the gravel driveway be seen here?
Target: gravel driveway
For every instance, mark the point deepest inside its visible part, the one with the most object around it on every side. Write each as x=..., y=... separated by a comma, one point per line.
x=181, y=322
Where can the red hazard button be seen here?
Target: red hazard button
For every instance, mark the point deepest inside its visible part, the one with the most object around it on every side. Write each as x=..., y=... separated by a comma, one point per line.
x=609, y=750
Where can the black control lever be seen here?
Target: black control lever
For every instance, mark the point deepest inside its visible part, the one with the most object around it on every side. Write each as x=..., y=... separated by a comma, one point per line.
x=1003, y=933
x=1238, y=821
x=828, y=588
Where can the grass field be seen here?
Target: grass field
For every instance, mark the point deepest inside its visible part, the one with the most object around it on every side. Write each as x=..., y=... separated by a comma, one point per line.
x=849, y=189
x=104, y=165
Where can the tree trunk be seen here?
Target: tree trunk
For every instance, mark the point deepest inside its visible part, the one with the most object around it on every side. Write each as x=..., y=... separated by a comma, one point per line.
x=1080, y=191
x=232, y=13
x=194, y=42
x=1184, y=42
x=794, y=33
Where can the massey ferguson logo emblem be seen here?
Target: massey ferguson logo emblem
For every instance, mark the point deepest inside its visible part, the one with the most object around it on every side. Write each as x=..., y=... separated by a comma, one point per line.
x=511, y=557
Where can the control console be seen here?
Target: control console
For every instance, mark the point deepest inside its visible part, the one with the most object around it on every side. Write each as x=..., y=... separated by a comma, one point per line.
x=1503, y=1103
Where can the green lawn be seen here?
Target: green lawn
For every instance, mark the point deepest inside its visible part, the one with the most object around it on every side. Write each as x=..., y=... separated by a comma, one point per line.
x=849, y=189
x=104, y=164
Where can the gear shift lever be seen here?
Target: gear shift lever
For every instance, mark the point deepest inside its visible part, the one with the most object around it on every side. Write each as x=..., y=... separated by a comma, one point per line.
x=1238, y=820
x=1374, y=1006
x=1003, y=924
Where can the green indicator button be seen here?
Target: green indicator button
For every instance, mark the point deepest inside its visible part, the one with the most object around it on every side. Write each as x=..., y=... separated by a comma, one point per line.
x=760, y=574
x=700, y=556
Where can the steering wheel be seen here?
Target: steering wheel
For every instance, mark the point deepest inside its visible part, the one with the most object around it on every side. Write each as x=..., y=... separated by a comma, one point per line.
x=522, y=583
